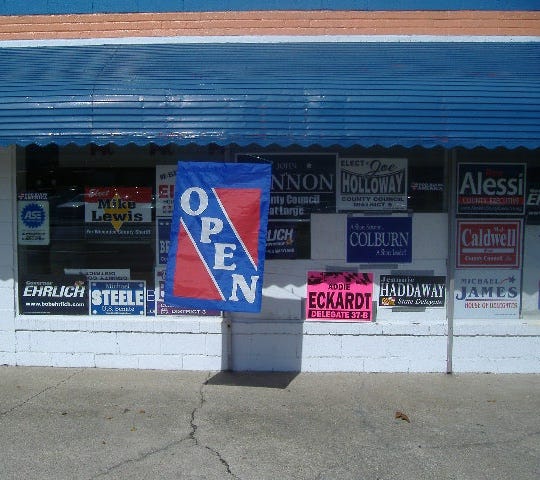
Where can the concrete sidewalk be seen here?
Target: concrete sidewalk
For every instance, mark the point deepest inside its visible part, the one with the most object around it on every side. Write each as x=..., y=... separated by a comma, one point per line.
x=132, y=424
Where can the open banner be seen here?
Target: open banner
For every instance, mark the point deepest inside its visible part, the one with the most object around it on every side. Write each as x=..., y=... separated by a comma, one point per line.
x=218, y=236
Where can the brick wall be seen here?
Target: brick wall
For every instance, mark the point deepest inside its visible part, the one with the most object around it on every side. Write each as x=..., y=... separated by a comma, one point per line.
x=455, y=23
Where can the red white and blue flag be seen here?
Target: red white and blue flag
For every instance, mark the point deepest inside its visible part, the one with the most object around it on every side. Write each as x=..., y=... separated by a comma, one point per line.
x=218, y=236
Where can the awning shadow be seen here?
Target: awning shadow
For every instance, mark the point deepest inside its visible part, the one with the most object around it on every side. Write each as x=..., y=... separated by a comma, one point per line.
x=280, y=380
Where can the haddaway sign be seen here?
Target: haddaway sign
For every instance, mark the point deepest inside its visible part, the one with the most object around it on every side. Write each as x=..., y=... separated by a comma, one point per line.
x=218, y=236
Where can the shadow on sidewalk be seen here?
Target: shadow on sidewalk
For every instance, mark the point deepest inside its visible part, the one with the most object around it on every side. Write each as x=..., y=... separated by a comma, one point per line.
x=253, y=379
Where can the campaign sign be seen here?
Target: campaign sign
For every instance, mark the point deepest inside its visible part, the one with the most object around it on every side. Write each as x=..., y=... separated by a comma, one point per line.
x=33, y=219
x=339, y=297
x=163, y=239
x=491, y=188
x=162, y=308
x=165, y=180
x=489, y=243
x=58, y=296
x=118, y=298
x=412, y=291
x=371, y=184
x=379, y=239
x=288, y=240
x=533, y=204
x=218, y=236
x=118, y=212
x=302, y=184
x=100, y=273
x=487, y=293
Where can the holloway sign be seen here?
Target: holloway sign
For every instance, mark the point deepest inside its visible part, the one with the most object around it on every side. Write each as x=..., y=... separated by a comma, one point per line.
x=372, y=184
x=218, y=236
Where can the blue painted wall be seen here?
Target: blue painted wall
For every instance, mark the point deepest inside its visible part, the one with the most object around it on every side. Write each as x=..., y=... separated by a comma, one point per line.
x=37, y=7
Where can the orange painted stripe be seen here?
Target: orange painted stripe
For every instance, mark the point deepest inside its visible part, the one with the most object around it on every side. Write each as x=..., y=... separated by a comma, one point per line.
x=459, y=23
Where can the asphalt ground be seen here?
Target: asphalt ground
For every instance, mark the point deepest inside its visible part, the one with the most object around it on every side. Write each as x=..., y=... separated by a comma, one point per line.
x=89, y=424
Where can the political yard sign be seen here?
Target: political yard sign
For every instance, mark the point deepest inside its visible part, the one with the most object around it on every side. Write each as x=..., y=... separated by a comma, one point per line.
x=218, y=236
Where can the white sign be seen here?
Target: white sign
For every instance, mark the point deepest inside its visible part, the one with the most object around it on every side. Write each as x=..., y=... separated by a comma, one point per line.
x=487, y=293
x=165, y=180
x=100, y=274
x=371, y=184
x=33, y=219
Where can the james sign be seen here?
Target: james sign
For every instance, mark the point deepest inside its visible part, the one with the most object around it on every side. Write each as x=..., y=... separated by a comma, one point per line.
x=218, y=236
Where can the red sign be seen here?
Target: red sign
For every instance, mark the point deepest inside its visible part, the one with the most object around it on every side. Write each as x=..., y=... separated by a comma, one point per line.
x=489, y=243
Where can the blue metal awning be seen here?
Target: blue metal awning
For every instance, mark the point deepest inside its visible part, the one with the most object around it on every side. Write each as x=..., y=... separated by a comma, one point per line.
x=428, y=94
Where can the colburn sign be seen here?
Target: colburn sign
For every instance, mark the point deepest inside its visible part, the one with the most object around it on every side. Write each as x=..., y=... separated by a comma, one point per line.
x=218, y=236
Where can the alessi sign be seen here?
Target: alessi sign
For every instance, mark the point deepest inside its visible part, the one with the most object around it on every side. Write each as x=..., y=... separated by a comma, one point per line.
x=491, y=188
x=488, y=243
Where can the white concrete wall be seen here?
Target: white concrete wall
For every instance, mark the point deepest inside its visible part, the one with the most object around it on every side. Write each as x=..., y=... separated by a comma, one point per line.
x=505, y=345
x=404, y=341
x=191, y=343
x=7, y=261
x=277, y=339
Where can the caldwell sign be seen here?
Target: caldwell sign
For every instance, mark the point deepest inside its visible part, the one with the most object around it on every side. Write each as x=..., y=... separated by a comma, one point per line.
x=218, y=236
x=489, y=244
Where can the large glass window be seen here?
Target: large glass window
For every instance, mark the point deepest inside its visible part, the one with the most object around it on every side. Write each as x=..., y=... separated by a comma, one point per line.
x=102, y=213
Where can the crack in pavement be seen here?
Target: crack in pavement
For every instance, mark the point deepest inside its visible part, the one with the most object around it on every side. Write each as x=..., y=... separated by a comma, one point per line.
x=194, y=427
x=192, y=437
x=29, y=399
x=140, y=457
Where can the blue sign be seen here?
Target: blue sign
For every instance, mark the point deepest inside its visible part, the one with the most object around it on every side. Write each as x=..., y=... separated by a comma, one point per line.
x=379, y=239
x=118, y=298
x=163, y=240
x=218, y=236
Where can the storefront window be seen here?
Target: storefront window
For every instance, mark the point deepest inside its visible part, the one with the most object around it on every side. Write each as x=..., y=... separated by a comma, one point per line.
x=98, y=224
x=103, y=213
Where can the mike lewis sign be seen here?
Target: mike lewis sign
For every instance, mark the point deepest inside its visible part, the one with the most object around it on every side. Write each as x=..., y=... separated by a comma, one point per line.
x=218, y=236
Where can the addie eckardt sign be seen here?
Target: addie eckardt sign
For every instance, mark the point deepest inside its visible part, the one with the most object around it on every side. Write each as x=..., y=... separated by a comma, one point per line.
x=218, y=236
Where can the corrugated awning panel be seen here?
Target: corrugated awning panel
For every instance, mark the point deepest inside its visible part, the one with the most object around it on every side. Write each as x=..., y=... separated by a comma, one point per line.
x=450, y=94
